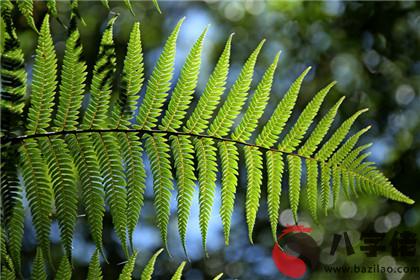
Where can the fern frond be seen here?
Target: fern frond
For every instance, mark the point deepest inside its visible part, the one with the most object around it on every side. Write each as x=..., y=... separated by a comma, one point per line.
x=183, y=150
x=328, y=148
x=64, y=270
x=295, y=171
x=229, y=158
x=128, y=5
x=13, y=74
x=274, y=126
x=354, y=154
x=12, y=209
x=43, y=82
x=312, y=187
x=159, y=83
x=38, y=191
x=295, y=135
x=15, y=232
x=254, y=165
x=156, y=4
x=130, y=146
x=132, y=79
x=320, y=131
x=38, y=266
x=52, y=7
x=150, y=266
x=72, y=87
x=207, y=172
x=236, y=97
x=87, y=166
x=63, y=178
x=257, y=105
x=178, y=273
x=199, y=119
x=184, y=89
x=26, y=8
x=275, y=167
x=105, y=3
x=157, y=149
x=109, y=158
x=95, y=271
x=96, y=114
x=132, y=152
x=128, y=268
x=7, y=273
x=347, y=147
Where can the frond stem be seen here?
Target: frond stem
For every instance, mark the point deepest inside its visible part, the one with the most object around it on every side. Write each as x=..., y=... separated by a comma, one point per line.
x=21, y=138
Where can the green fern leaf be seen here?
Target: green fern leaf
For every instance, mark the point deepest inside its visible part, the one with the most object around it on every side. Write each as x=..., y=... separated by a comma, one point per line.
x=150, y=266
x=320, y=131
x=96, y=114
x=183, y=150
x=159, y=84
x=158, y=150
x=354, y=154
x=15, y=232
x=347, y=147
x=136, y=178
x=236, y=98
x=38, y=267
x=7, y=273
x=328, y=148
x=254, y=165
x=95, y=271
x=256, y=107
x=275, y=167
x=128, y=5
x=207, y=172
x=184, y=89
x=38, y=191
x=63, y=178
x=105, y=3
x=12, y=209
x=274, y=126
x=130, y=146
x=132, y=79
x=229, y=158
x=295, y=171
x=156, y=4
x=72, y=86
x=295, y=135
x=26, y=8
x=87, y=166
x=178, y=273
x=64, y=270
x=43, y=82
x=199, y=119
x=52, y=7
x=109, y=158
x=128, y=268
x=13, y=74
x=312, y=187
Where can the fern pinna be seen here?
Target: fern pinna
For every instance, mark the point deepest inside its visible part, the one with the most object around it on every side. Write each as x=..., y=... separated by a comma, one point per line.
x=101, y=149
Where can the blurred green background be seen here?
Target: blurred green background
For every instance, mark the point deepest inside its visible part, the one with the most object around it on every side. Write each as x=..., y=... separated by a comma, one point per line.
x=372, y=49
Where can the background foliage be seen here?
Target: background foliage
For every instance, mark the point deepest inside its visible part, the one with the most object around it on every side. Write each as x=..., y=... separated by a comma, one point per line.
x=371, y=49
